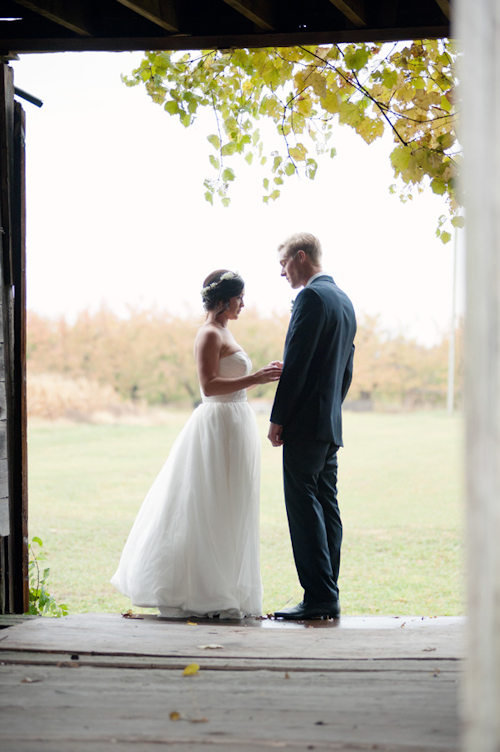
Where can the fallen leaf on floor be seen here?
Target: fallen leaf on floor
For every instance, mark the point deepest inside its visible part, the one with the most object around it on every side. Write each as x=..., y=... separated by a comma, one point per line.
x=175, y=716
x=428, y=650
x=29, y=680
x=211, y=646
x=198, y=720
x=191, y=670
x=287, y=675
x=192, y=623
x=130, y=615
x=403, y=624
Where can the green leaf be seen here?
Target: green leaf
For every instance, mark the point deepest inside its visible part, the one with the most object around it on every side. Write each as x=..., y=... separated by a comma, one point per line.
x=214, y=161
x=400, y=158
x=446, y=141
x=228, y=175
x=389, y=78
x=214, y=140
x=298, y=152
x=311, y=167
x=445, y=237
x=209, y=197
x=349, y=114
x=171, y=107
x=458, y=222
x=356, y=59
x=290, y=168
x=35, y=539
x=438, y=186
x=228, y=149
x=249, y=157
x=446, y=104
x=226, y=201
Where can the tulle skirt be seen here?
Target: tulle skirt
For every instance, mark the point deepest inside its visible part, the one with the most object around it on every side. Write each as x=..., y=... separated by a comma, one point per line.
x=194, y=547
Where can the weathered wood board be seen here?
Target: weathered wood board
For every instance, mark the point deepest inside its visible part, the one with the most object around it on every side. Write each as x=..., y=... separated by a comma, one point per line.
x=352, y=637
x=123, y=708
x=101, y=682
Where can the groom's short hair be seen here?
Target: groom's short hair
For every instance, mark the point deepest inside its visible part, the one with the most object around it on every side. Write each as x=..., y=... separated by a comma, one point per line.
x=302, y=241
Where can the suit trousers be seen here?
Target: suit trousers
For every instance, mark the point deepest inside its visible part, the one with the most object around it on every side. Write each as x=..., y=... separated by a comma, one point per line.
x=310, y=483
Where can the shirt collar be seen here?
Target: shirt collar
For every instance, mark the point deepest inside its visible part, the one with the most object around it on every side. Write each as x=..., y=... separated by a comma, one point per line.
x=315, y=276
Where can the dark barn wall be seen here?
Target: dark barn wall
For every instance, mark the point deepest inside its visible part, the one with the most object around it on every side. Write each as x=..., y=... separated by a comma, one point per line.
x=13, y=454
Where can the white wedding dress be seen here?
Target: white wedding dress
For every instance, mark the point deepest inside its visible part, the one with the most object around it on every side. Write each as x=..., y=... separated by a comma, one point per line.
x=194, y=547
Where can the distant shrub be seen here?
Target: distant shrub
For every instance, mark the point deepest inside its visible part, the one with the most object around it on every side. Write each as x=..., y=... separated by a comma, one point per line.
x=52, y=395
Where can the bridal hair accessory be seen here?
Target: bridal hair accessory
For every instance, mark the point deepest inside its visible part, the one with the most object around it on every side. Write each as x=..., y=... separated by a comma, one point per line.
x=225, y=276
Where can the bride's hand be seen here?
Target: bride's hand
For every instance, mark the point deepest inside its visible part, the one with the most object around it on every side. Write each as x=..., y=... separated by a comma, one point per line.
x=272, y=372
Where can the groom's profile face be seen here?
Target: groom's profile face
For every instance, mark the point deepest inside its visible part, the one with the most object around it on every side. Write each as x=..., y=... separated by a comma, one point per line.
x=291, y=268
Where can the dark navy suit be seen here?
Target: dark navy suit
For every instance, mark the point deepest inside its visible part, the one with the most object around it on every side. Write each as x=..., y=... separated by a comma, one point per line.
x=317, y=372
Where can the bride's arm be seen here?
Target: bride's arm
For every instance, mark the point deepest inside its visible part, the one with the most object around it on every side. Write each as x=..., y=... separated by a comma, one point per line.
x=208, y=352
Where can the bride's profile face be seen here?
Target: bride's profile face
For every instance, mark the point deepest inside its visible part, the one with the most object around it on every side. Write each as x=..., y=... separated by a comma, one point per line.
x=235, y=305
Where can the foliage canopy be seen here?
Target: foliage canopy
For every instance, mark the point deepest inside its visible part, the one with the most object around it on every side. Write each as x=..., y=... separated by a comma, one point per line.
x=303, y=91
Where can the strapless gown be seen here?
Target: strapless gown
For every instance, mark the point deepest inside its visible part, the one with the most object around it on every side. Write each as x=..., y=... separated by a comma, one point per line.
x=194, y=547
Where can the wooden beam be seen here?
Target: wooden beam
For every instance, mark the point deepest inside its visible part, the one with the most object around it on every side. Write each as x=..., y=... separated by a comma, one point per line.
x=354, y=10
x=445, y=7
x=257, y=11
x=476, y=26
x=219, y=41
x=19, y=419
x=73, y=16
x=160, y=12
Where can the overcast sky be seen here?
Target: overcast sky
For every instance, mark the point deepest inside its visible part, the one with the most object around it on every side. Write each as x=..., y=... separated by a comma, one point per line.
x=116, y=212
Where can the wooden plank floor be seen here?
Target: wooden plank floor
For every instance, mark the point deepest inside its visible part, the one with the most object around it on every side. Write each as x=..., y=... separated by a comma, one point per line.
x=101, y=682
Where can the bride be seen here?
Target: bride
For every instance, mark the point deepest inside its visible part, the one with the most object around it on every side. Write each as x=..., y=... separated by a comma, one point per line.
x=194, y=547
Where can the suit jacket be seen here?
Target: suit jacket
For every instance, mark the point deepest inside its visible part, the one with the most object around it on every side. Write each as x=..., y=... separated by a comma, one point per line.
x=317, y=364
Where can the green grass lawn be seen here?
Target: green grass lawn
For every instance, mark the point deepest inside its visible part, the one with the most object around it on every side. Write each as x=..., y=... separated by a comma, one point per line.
x=400, y=492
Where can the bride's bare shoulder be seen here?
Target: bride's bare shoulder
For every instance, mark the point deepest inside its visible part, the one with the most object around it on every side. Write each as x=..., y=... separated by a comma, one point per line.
x=208, y=336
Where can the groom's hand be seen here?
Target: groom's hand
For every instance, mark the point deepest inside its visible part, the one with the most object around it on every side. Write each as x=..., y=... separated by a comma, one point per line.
x=274, y=434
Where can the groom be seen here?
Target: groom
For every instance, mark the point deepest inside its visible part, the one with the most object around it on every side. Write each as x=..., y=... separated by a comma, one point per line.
x=306, y=419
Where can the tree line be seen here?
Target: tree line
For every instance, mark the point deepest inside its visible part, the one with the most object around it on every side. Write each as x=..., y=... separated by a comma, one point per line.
x=147, y=357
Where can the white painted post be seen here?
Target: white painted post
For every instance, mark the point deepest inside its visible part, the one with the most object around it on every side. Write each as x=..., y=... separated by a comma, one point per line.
x=478, y=29
x=450, y=399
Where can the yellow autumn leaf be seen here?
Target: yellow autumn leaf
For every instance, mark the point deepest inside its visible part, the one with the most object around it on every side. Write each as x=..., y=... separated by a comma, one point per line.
x=191, y=670
x=318, y=84
x=175, y=716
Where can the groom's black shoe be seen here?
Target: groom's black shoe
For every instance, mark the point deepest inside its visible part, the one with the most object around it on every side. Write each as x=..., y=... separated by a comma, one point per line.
x=306, y=611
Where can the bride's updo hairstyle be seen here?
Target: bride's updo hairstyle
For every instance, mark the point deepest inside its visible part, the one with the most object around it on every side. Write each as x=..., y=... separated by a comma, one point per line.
x=219, y=287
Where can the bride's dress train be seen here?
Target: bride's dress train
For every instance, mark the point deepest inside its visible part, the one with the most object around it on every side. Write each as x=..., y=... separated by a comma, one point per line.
x=194, y=547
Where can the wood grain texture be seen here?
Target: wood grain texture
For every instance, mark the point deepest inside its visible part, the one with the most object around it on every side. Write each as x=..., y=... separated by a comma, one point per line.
x=321, y=694
x=163, y=13
x=4, y=517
